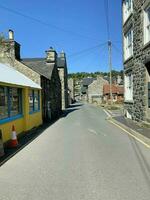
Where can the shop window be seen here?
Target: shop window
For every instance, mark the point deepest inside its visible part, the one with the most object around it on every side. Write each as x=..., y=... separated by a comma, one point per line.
x=34, y=101
x=3, y=103
x=10, y=102
x=15, y=100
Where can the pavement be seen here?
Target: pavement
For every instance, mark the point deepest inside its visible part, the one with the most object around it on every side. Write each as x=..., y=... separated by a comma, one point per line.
x=80, y=157
x=117, y=116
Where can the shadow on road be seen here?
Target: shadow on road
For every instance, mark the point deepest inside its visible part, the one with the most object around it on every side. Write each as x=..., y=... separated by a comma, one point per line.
x=28, y=137
x=72, y=108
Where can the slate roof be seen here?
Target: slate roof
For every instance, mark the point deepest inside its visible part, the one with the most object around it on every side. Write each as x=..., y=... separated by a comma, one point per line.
x=40, y=66
x=87, y=81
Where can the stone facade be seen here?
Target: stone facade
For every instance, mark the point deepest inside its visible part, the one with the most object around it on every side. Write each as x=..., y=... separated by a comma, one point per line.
x=138, y=65
x=63, y=74
x=50, y=83
x=95, y=90
x=42, y=71
x=10, y=53
x=71, y=87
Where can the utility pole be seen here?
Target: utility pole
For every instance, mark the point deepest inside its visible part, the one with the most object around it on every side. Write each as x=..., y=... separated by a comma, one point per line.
x=110, y=70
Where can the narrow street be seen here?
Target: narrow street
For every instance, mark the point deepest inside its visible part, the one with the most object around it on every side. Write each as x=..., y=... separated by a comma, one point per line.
x=80, y=157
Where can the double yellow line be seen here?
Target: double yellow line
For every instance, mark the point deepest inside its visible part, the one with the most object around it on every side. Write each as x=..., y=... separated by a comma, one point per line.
x=133, y=136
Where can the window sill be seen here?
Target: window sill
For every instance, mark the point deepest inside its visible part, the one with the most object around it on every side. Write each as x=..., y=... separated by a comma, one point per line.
x=127, y=59
x=2, y=121
x=33, y=112
x=146, y=45
x=128, y=18
x=129, y=101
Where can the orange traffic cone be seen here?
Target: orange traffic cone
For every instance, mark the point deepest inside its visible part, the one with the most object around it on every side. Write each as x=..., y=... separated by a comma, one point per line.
x=14, y=142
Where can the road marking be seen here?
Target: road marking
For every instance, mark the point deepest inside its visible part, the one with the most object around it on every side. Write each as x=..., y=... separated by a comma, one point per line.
x=136, y=138
x=93, y=131
x=107, y=113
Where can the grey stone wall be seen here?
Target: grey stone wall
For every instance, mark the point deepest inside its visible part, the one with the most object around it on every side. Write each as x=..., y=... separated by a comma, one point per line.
x=96, y=88
x=10, y=53
x=136, y=65
x=71, y=86
x=64, y=86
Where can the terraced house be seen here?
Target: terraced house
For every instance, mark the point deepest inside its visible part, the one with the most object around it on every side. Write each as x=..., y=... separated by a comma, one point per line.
x=136, y=43
x=20, y=92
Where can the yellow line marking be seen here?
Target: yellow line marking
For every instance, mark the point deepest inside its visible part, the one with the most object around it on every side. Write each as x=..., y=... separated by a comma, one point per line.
x=136, y=138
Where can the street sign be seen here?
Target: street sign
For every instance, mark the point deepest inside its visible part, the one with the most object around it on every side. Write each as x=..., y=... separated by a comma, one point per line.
x=1, y=145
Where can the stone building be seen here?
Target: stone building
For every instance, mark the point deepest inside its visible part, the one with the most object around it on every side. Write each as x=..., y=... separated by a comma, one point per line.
x=20, y=92
x=50, y=83
x=84, y=87
x=63, y=74
x=117, y=93
x=42, y=71
x=136, y=42
x=95, y=90
x=71, y=87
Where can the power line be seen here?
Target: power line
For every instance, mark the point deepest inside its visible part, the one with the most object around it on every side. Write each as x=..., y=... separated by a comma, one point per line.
x=44, y=23
x=116, y=48
x=86, y=50
x=106, y=6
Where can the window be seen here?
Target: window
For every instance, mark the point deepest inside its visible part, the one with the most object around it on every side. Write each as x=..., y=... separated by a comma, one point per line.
x=3, y=103
x=127, y=9
x=128, y=87
x=10, y=102
x=128, y=44
x=34, y=101
x=147, y=24
x=14, y=95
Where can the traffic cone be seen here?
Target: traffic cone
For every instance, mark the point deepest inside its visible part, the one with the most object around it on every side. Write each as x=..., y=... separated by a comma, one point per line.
x=14, y=142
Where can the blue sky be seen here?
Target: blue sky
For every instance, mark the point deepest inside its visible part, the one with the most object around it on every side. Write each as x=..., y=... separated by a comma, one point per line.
x=72, y=26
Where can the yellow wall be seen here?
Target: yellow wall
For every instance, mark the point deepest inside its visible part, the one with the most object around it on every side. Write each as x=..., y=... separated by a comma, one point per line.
x=27, y=122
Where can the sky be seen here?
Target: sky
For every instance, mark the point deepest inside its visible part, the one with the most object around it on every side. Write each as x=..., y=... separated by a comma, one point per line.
x=79, y=28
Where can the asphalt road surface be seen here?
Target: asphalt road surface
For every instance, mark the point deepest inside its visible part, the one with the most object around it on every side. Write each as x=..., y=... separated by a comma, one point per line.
x=80, y=157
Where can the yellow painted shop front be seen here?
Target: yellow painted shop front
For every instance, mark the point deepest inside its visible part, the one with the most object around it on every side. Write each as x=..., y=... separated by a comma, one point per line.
x=20, y=107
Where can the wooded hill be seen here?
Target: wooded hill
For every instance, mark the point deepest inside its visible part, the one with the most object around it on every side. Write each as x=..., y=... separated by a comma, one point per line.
x=81, y=75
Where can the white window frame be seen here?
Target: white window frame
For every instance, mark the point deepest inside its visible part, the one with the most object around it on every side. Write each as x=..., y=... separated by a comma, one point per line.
x=128, y=87
x=147, y=24
x=128, y=44
x=127, y=9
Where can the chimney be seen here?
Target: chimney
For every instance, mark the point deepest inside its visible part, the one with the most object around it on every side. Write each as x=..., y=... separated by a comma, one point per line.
x=11, y=34
x=15, y=47
x=63, y=55
x=51, y=55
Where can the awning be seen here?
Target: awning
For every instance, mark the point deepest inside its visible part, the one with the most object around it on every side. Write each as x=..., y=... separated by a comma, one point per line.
x=12, y=76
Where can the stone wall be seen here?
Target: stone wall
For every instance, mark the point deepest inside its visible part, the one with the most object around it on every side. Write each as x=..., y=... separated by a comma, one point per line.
x=10, y=53
x=96, y=89
x=64, y=87
x=71, y=86
x=138, y=109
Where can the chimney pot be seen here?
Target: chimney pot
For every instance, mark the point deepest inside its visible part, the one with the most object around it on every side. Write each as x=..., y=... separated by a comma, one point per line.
x=11, y=34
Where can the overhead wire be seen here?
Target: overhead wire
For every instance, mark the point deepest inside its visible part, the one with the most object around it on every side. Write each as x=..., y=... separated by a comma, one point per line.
x=49, y=25
x=106, y=7
x=86, y=50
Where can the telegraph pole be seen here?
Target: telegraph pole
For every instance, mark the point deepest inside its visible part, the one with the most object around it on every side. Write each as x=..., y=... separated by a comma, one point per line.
x=110, y=70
